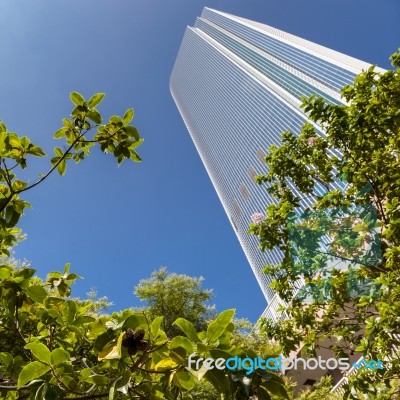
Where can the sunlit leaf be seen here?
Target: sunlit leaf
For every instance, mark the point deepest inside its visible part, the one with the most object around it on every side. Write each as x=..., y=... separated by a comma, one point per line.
x=77, y=98
x=31, y=371
x=96, y=99
x=40, y=351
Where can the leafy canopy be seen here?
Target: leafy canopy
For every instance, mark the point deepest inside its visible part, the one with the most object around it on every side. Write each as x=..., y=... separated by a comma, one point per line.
x=175, y=296
x=56, y=347
x=350, y=173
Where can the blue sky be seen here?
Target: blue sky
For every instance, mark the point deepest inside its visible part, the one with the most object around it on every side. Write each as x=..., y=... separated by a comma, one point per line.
x=117, y=225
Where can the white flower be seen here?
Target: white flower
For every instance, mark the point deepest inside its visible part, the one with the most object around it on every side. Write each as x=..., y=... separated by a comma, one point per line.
x=312, y=141
x=257, y=218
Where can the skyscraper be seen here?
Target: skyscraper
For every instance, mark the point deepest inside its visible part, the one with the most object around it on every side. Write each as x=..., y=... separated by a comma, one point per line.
x=238, y=85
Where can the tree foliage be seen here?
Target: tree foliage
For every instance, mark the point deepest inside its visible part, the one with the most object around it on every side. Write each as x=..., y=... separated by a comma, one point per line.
x=350, y=174
x=321, y=390
x=116, y=137
x=175, y=296
x=56, y=347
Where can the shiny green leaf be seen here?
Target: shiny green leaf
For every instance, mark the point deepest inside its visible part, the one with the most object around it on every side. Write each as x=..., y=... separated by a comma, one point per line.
x=36, y=150
x=187, y=328
x=58, y=356
x=165, y=364
x=128, y=116
x=31, y=371
x=216, y=328
x=62, y=167
x=77, y=98
x=95, y=100
x=95, y=116
x=37, y=293
x=185, y=380
x=111, y=350
x=40, y=351
x=132, y=132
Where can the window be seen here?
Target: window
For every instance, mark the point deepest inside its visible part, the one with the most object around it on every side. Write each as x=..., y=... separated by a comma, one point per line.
x=243, y=190
x=251, y=172
x=261, y=155
x=237, y=209
x=234, y=225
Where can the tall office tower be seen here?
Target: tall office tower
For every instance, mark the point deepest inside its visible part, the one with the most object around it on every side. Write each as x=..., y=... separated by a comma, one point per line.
x=238, y=85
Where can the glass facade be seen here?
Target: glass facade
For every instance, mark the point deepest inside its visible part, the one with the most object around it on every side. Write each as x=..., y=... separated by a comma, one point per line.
x=238, y=85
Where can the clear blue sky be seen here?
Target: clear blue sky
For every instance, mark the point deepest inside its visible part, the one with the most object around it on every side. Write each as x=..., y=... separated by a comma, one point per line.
x=117, y=225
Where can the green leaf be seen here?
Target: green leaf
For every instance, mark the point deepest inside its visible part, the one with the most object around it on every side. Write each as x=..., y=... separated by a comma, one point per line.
x=181, y=342
x=98, y=380
x=37, y=293
x=165, y=364
x=12, y=217
x=111, y=393
x=276, y=388
x=77, y=98
x=111, y=351
x=67, y=267
x=58, y=152
x=134, y=156
x=128, y=116
x=60, y=133
x=54, y=161
x=178, y=355
x=95, y=116
x=13, y=140
x=62, y=167
x=123, y=382
x=136, y=144
x=32, y=371
x=40, y=351
x=136, y=321
x=41, y=392
x=3, y=128
x=199, y=373
x=5, y=272
x=96, y=99
x=132, y=132
x=155, y=326
x=157, y=395
x=6, y=358
x=184, y=379
x=84, y=319
x=36, y=150
x=187, y=328
x=216, y=328
x=19, y=185
x=69, y=311
x=23, y=273
x=58, y=356
x=219, y=380
x=203, y=348
x=115, y=119
x=67, y=123
x=263, y=394
x=180, y=348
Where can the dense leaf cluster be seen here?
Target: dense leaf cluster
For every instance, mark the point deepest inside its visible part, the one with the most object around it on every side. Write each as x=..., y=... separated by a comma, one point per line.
x=175, y=296
x=55, y=347
x=351, y=175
